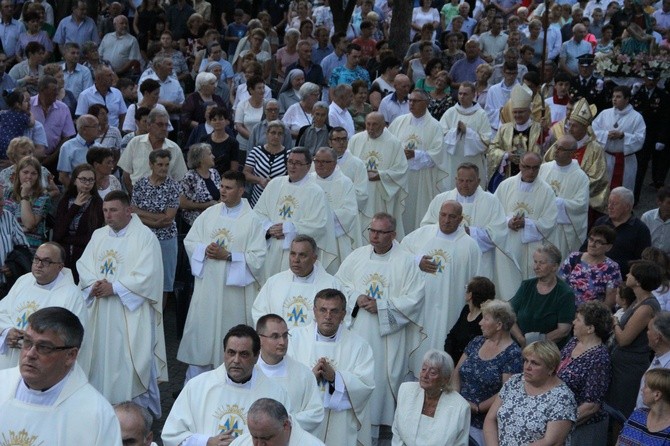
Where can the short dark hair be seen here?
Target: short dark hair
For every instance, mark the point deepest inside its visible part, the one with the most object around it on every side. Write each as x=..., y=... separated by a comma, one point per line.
x=432, y=63
x=303, y=238
x=58, y=247
x=244, y=331
x=482, y=289
x=353, y=47
x=329, y=294
x=98, y=155
x=269, y=407
x=562, y=76
x=357, y=85
x=149, y=85
x=663, y=193
x=597, y=314
x=124, y=83
x=335, y=39
x=220, y=112
x=141, y=112
x=236, y=176
x=624, y=90
x=605, y=232
x=647, y=273
x=61, y=321
x=118, y=195
x=33, y=48
x=160, y=153
x=303, y=151
x=470, y=166
x=46, y=81
x=94, y=109
x=263, y=321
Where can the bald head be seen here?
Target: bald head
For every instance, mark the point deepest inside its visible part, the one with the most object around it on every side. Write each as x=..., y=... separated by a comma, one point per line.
x=451, y=215
x=374, y=124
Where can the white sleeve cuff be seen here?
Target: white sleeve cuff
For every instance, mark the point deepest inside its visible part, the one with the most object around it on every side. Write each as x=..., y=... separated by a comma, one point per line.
x=530, y=232
x=129, y=299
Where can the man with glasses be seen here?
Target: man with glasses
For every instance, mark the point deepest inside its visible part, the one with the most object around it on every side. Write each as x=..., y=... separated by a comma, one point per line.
x=258, y=135
x=289, y=292
x=133, y=160
x=342, y=363
x=571, y=186
x=530, y=206
x=73, y=151
x=342, y=200
x=385, y=292
x=292, y=205
x=295, y=377
x=47, y=285
x=47, y=398
x=226, y=248
x=421, y=138
x=351, y=166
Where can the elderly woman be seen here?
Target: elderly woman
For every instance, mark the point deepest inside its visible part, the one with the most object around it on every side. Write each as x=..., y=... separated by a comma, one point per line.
x=102, y=160
x=200, y=185
x=266, y=161
x=591, y=274
x=650, y=426
x=257, y=137
x=315, y=135
x=488, y=362
x=545, y=305
x=109, y=135
x=533, y=406
x=155, y=200
x=585, y=368
x=28, y=201
x=79, y=214
x=222, y=87
x=224, y=148
x=299, y=114
x=359, y=107
x=429, y=412
x=150, y=90
x=477, y=291
x=249, y=112
x=288, y=93
x=630, y=354
x=193, y=110
x=440, y=97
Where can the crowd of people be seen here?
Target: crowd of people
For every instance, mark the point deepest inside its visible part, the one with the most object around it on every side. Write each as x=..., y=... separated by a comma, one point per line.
x=436, y=247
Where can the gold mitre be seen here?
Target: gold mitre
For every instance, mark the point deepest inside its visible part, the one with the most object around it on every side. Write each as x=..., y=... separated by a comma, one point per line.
x=583, y=113
x=521, y=97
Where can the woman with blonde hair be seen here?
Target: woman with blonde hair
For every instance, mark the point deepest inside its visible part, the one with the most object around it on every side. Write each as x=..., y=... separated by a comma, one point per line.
x=650, y=426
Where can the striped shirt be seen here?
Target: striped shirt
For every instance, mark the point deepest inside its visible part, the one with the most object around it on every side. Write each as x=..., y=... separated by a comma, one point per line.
x=10, y=236
x=265, y=165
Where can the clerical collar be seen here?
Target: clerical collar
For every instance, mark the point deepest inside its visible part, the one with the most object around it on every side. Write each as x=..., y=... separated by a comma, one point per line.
x=308, y=278
x=330, y=177
x=467, y=111
x=300, y=181
x=525, y=186
x=418, y=121
x=384, y=256
x=523, y=127
x=322, y=338
x=463, y=199
x=450, y=237
x=45, y=397
x=120, y=233
x=51, y=285
x=233, y=211
x=247, y=384
x=564, y=169
x=343, y=157
x=273, y=370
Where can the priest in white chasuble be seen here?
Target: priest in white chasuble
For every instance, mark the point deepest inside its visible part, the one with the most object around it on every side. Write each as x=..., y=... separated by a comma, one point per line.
x=351, y=166
x=47, y=399
x=514, y=138
x=291, y=205
x=385, y=292
x=448, y=258
x=343, y=365
x=386, y=163
x=290, y=293
x=212, y=407
x=121, y=274
x=483, y=219
x=49, y=284
x=530, y=208
x=226, y=247
x=295, y=377
x=589, y=154
x=420, y=136
x=621, y=131
x=467, y=134
x=341, y=196
x=571, y=186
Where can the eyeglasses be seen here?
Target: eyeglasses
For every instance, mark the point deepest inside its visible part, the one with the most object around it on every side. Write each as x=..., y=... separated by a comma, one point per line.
x=86, y=180
x=44, y=262
x=296, y=163
x=323, y=162
x=377, y=231
x=161, y=124
x=277, y=336
x=42, y=349
x=597, y=242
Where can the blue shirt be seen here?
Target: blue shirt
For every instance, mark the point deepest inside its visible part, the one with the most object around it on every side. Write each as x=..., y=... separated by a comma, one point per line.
x=318, y=54
x=113, y=100
x=78, y=80
x=72, y=153
x=571, y=50
x=9, y=35
x=464, y=70
x=332, y=61
x=70, y=31
x=343, y=75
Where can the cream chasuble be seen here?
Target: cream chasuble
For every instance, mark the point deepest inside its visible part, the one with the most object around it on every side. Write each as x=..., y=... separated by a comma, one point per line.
x=394, y=280
x=302, y=389
x=634, y=130
x=224, y=291
x=505, y=142
x=211, y=403
x=458, y=257
x=299, y=437
x=26, y=297
x=469, y=147
x=347, y=419
x=594, y=166
x=126, y=342
x=385, y=156
x=302, y=208
x=354, y=169
x=79, y=415
x=342, y=200
x=536, y=202
x=427, y=170
x=292, y=297
x=571, y=186
x=484, y=216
